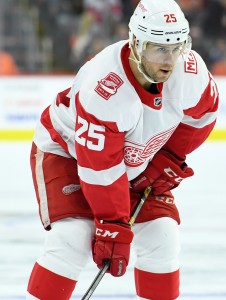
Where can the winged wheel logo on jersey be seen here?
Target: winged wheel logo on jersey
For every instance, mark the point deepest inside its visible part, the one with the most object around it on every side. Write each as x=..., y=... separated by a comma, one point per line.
x=136, y=154
x=71, y=188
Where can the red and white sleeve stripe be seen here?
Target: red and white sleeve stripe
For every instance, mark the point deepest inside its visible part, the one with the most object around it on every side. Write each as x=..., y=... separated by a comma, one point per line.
x=99, y=147
x=197, y=123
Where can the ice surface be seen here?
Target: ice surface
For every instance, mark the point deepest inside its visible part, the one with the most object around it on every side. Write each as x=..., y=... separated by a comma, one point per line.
x=200, y=199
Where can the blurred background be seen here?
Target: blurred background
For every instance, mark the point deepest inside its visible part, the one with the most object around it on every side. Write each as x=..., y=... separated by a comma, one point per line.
x=60, y=35
x=43, y=43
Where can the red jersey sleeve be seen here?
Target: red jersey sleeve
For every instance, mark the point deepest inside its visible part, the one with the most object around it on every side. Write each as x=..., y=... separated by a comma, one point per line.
x=99, y=148
x=197, y=124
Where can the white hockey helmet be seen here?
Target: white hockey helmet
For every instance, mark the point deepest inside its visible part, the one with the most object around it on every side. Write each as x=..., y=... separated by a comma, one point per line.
x=158, y=21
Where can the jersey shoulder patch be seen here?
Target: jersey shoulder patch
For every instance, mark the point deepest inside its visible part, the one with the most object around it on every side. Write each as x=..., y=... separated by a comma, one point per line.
x=108, y=86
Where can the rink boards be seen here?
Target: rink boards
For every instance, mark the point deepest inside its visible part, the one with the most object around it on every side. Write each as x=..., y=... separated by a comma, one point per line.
x=23, y=99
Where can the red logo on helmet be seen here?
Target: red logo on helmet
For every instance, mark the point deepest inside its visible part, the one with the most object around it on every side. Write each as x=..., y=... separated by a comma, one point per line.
x=108, y=86
x=141, y=6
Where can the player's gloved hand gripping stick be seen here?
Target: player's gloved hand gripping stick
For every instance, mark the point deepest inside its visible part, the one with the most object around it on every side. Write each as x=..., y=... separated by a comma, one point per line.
x=107, y=263
x=164, y=173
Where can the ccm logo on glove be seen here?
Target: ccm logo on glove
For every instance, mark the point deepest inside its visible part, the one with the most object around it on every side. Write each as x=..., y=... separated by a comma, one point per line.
x=105, y=233
x=112, y=241
x=164, y=172
x=169, y=172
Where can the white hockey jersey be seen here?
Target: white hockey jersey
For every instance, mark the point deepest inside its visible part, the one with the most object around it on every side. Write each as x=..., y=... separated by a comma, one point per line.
x=113, y=127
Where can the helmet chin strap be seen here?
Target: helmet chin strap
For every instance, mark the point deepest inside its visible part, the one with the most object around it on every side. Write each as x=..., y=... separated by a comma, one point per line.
x=140, y=67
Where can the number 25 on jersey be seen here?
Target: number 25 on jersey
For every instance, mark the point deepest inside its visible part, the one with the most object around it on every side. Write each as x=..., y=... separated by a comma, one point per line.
x=90, y=135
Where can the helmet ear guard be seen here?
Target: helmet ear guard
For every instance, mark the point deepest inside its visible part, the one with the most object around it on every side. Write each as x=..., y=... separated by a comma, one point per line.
x=187, y=47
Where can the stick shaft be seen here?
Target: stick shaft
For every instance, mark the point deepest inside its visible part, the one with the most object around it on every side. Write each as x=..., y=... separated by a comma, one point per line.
x=96, y=280
x=106, y=265
x=139, y=205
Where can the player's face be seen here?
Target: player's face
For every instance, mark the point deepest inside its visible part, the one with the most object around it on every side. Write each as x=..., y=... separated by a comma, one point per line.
x=159, y=60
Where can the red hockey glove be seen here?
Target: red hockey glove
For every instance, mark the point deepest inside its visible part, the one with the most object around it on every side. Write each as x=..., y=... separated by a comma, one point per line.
x=163, y=173
x=112, y=241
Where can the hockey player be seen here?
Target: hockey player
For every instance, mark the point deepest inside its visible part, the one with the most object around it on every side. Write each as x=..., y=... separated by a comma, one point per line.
x=130, y=118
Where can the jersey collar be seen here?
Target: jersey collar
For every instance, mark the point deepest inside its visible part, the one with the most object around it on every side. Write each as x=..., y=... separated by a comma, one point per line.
x=153, y=100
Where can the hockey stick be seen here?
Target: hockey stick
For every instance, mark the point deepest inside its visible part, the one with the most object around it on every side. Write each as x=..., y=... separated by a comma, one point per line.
x=106, y=265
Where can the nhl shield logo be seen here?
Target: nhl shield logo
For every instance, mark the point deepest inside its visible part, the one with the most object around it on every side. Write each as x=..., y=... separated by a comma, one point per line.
x=108, y=86
x=157, y=101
